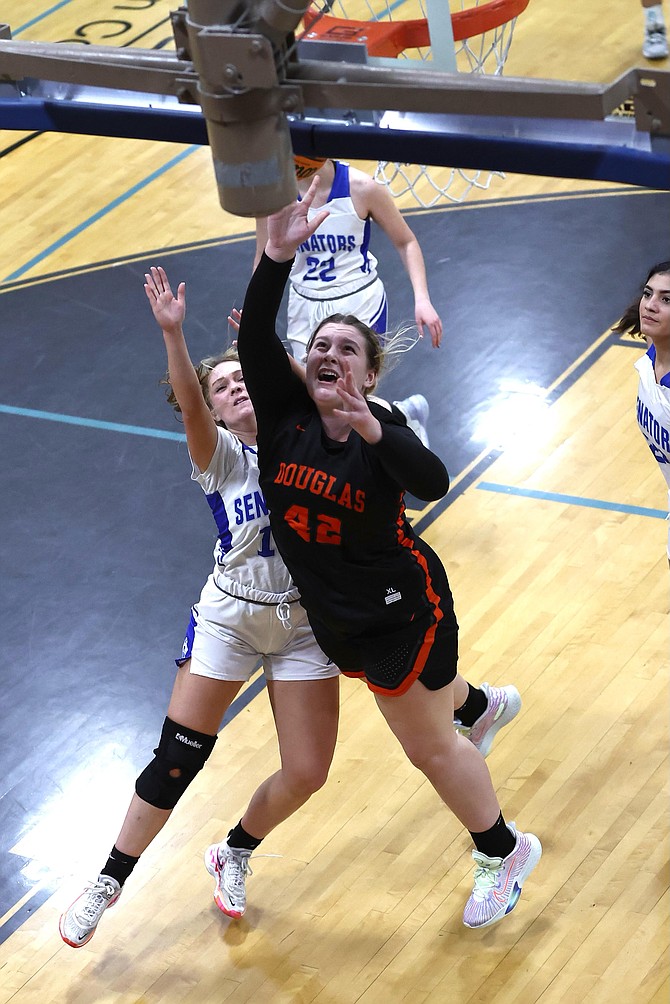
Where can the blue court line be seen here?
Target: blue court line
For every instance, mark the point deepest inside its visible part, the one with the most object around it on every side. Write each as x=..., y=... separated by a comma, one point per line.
x=93, y=423
x=384, y=14
x=85, y=224
x=40, y=17
x=531, y=493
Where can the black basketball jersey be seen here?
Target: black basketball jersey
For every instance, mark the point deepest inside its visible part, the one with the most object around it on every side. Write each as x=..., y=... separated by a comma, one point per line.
x=337, y=511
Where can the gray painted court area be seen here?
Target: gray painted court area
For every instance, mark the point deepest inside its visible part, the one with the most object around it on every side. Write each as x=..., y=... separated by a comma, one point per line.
x=106, y=541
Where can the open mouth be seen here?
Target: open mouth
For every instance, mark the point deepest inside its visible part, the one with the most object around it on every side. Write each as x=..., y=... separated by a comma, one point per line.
x=327, y=376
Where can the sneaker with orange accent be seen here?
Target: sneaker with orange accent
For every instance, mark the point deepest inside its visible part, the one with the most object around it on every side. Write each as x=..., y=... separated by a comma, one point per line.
x=230, y=867
x=79, y=922
x=499, y=881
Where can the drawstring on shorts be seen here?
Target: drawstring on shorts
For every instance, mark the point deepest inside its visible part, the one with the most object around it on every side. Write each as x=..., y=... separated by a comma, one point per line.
x=284, y=614
x=283, y=608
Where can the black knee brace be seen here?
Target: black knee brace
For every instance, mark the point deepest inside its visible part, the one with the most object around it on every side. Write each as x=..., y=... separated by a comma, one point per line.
x=180, y=749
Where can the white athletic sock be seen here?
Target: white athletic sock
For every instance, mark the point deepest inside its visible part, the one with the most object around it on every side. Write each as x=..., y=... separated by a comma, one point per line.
x=653, y=17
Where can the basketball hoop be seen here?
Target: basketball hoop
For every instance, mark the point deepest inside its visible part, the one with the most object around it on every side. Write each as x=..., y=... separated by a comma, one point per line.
x=482, y=33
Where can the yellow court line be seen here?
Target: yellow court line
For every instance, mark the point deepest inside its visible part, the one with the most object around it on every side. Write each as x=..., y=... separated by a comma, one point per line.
x=525, y=200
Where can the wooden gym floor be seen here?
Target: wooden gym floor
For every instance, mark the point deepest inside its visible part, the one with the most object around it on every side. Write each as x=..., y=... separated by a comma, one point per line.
x=552, y=534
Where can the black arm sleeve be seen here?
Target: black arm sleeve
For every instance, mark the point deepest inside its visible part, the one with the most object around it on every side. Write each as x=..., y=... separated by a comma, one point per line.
x=268, y=376
x=406, y=460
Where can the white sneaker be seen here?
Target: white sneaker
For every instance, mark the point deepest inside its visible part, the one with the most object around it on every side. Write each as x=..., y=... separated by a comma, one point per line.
x=504, y=704
x=655, y=42
x=416, y=411
x=77, y=925
x=499, y=881
x=230, y=867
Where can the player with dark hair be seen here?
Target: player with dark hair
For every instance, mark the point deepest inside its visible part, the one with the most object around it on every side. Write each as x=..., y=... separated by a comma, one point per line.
x=649, y=317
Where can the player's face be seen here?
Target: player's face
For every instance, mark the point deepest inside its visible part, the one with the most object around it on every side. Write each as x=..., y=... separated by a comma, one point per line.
x=228, y=395
x=336, y=349
x=655, y=307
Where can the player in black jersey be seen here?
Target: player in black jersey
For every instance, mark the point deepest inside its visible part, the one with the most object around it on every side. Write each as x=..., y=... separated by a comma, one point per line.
x=334, y=470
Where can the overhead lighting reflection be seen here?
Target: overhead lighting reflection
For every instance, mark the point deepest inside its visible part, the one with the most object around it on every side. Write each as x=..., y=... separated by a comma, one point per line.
x=79, y=822
x=518, y=417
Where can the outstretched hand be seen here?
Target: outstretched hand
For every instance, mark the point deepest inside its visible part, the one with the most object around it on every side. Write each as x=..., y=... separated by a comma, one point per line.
x=290, y=227
x=354, y=408
x=168, y=310
x=234, y=318
x=426, y=316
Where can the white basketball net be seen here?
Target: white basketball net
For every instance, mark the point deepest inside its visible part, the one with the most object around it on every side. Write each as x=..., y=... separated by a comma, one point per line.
x=480, y=54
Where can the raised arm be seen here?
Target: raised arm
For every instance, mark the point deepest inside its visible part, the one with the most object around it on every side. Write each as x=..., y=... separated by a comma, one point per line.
x=377, y=202
x=261, y=238
x=169, y=311
x=267, y=370
x=290, y=227
x=410, y=463
x=406, y=460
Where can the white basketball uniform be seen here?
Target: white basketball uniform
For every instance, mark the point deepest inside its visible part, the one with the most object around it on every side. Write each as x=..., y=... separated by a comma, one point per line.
x=335, y=272
x=653, y=414
x=249, y=606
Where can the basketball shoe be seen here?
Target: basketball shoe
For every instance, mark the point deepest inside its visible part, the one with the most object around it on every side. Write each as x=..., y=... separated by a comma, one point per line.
x=416, y=411
x=230, y=867
x=499, y=881
x=504, y=704
x=655, y=44
x=79, y=922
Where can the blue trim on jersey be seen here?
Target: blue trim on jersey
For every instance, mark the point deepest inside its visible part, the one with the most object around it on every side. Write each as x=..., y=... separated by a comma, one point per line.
x=665, y=380
x=340, y=187
x=218, y=507
x=365, y=244
x=379, y=322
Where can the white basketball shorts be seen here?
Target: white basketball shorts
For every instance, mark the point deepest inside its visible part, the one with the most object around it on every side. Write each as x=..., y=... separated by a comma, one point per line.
x=368, y=305
x=227, y=637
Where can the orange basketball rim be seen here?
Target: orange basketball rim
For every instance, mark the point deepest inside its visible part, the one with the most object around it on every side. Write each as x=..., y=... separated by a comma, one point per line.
x=390, y=38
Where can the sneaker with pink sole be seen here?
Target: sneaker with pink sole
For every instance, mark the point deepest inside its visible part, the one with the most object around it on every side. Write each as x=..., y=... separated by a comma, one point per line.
x=503, y=704
x=499, y=881
x=79, y=922
x=230, y=867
